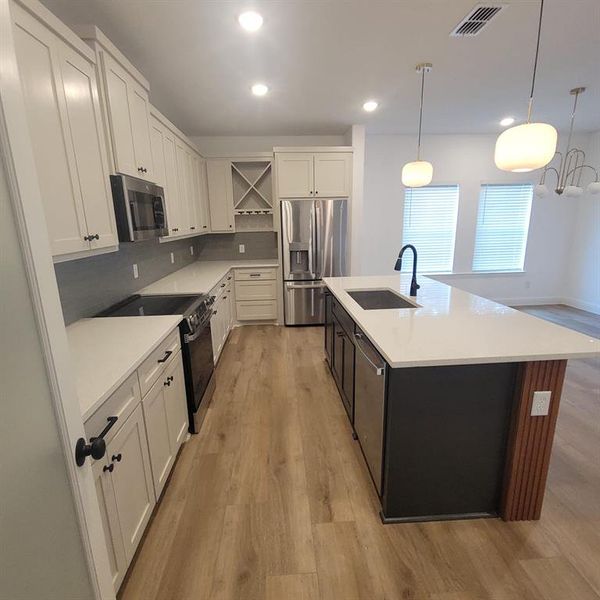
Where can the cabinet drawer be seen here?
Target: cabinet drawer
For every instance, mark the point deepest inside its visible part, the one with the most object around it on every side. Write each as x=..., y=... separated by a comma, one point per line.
x=222, y=286
x=253, y=274
x=255, y=290
x=152, y=367
x=121, y=404
x=257, y=310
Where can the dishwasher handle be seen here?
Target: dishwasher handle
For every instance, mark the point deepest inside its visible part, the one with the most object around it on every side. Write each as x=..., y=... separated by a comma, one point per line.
x=363, y=345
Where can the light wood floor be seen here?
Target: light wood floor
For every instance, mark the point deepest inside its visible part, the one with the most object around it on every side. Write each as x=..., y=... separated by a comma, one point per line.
x=272, y=501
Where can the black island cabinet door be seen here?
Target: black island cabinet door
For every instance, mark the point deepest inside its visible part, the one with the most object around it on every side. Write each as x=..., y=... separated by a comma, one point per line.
x=446, y=441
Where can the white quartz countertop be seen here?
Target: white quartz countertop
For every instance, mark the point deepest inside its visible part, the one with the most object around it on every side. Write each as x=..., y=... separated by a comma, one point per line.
x=106, y=351
x=454, y=327
x=200, y=277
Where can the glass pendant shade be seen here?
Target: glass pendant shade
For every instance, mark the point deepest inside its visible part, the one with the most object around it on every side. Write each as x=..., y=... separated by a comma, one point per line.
x=540, y=190
x=573, y=191
x=594, y=187
x=525, y=147
x=417, y=173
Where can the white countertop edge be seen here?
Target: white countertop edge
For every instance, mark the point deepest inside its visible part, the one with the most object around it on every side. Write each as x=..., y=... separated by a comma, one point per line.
x=222, y=266
x=476, y=360
x=128, y=372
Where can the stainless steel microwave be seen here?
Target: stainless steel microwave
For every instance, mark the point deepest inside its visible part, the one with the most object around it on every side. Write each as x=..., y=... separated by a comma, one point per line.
x=139, y=209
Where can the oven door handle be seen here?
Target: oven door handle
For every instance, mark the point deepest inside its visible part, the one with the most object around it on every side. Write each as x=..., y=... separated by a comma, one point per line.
x=187, y=337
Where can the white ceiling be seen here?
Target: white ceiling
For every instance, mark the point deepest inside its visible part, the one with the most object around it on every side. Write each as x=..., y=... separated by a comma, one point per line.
x=324, y=58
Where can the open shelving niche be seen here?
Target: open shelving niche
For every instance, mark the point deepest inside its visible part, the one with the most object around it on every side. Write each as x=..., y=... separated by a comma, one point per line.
x=252, y=194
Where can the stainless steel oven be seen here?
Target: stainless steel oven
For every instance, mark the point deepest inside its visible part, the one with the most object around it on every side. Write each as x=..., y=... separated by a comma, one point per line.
x=139, y=209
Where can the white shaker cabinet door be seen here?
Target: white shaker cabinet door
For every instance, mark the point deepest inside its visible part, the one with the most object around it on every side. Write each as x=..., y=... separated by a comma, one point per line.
x=220, y=196
x=295, y=175
x=157, y=429
x=333, y=174
x=172, y=190
x=158, y=153
x=89, y=150
x=140, y=127
x=132, y=480
x=117, y=80
x=203, y=191
x=176, y=402
x=110, y=521
x=184, y=183
x=46, y=115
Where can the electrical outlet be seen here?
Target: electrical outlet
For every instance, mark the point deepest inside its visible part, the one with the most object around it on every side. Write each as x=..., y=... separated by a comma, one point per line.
x=541, y=404
x=135, y=271
x=242, y=248
x=172, y=258
x=191, y=250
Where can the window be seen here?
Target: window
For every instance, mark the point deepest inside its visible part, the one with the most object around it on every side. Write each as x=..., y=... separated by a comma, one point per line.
x=430, y=225
x=502, y=226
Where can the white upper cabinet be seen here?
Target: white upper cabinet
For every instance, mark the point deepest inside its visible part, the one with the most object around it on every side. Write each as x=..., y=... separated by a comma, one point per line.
x=128, y=117
x=314, y=174
x=220, y=195
x=200, y=173
x=65, y=124
x=158, y=152
x=333, y=174
x=295, y=175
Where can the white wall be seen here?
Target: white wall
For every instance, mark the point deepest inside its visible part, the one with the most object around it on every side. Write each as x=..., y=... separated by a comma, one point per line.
x=231, y=145
x=466, y=160
x=41, y=552
x=584, y=263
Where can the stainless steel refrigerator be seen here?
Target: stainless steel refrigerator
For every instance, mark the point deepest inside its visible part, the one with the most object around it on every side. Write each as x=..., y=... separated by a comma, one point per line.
x=313, y=236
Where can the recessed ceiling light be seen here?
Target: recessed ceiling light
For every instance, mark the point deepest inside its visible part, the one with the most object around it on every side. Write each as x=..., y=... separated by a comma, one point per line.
x=250, y=20
x=370, y=105
x=507, y=121
x=259, y=89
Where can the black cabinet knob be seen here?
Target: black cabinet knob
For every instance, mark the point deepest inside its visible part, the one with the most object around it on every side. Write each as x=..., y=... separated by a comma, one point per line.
x=117, y=457
x=108, y=468
x=97, y=446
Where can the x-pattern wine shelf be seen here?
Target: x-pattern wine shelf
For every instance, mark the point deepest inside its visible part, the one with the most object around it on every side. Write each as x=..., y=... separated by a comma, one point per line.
x=252, y=194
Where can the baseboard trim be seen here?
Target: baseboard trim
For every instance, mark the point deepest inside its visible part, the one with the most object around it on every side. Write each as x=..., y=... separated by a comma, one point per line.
x=582, y=305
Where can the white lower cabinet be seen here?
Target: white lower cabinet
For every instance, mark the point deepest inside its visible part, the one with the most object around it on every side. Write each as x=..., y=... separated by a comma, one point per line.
x=110, y=521
x=165, y=414
x=141, y=449
x=131, y=479
x=157, y=429
x=255, y=294
x=223, y=318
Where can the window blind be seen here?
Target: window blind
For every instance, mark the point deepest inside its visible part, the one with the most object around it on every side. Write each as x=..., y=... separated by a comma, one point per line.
x=430, y=225
x=502, y=227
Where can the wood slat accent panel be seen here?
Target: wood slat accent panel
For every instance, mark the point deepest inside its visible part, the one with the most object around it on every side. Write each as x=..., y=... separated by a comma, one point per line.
x=530, y=441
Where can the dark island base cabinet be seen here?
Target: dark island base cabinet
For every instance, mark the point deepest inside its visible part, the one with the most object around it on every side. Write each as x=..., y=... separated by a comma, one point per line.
x=339, y=351
x=446, y=439
x=459, y=441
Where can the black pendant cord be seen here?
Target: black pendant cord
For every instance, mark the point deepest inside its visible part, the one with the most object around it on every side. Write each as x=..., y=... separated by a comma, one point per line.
x=535, y=62
x=421, y=113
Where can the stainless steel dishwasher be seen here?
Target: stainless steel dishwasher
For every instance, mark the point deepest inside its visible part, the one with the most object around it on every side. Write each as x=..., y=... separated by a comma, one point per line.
x=369, y=403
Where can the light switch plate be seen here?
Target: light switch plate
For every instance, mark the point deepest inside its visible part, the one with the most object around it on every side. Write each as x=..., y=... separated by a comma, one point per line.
x=135, y=271
x=242, y=248
x=541, y=404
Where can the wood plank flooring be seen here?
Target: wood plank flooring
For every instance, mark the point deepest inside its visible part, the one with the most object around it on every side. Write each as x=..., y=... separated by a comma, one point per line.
x=272, y=501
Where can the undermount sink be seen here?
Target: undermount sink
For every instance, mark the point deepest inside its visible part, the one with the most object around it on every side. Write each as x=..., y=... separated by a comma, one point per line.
x=380, y=299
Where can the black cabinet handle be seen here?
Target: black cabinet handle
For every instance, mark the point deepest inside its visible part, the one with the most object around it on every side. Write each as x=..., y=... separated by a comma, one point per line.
x=192, y=228
x=170, y=378
x=165, y=357
x=167, y=382
x=204, y=227
x=117, y=457
x=141, y=169
x=109, y=468
x=97, y=446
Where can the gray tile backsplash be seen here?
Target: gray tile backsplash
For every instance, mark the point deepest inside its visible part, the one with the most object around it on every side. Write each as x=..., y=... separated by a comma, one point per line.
x=89, y=285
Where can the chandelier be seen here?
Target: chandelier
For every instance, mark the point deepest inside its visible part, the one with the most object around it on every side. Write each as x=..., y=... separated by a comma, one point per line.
x=571, y=166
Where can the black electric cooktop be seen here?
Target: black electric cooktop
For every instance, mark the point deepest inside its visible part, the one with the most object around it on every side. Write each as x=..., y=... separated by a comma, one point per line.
x=140, y=306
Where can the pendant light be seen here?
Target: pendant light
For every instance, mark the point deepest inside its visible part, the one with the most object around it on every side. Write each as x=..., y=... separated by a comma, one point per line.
x=532, y=145
x=419, y=172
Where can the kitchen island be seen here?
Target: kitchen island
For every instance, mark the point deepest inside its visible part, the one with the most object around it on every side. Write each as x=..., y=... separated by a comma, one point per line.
x=454, y=398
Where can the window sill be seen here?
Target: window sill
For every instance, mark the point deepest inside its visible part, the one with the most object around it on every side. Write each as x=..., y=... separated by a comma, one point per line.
x=476, y=273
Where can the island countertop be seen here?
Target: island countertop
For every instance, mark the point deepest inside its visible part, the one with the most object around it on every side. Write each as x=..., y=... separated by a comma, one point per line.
x=454, y=327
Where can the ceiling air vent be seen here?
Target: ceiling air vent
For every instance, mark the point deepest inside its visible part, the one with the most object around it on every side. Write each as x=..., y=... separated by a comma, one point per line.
x=476, y=20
